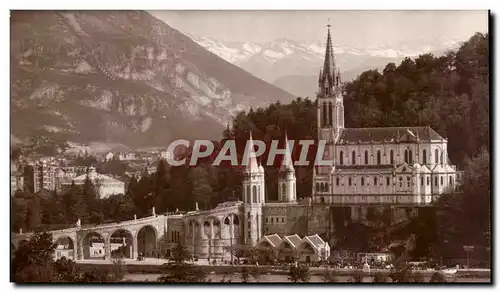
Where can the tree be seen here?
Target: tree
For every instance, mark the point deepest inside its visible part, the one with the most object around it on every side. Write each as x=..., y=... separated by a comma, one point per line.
x=247, y=272
x=180, y=271
x=329, y=276
x=200, y=184
x=298, y=273
x=33, y=215
x=33, y=261
x=437, y=277
x=380, y=277
x=74, y=205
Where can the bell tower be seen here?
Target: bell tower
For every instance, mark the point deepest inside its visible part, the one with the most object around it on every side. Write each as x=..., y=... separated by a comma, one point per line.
x=330, y=114
x=253, y=196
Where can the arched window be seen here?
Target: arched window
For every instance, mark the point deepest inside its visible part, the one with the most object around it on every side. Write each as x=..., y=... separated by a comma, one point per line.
x=387, y=180
x=341, y=158
x=318, y=187
x=374, y=180
x=330, y=114
x=353, y=162
x=362, y=181
x=379, y=159
x=410, y=157
x=450, y=180
x=322, y=200
x=436, y=181
x=436, y=154
x=258, y=196
x=421, y=180
x=350, y=181
x=338, y=180
x=428, y=180
x=392, y=157
x=283, y=191
x=326, y=187
x=254, y=191
x=442, y=157
x=366, y=157
x=424, y=157
x=247, y=199
x=406, y=156
x=441, y=180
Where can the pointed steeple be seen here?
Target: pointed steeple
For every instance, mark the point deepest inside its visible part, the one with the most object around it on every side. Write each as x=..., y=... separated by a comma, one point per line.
x=253, y=165
x=328, y=78
x=287, y=162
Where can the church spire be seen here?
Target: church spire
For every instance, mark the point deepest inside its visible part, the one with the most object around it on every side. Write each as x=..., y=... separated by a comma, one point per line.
x=253, y=165
x=328, y=78
x=287, y=162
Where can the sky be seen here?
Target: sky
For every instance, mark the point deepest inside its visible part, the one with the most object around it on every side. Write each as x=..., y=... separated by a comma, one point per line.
x=354, y=28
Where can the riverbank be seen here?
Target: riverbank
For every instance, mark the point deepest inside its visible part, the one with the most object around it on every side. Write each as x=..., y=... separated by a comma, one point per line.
x=152, y=267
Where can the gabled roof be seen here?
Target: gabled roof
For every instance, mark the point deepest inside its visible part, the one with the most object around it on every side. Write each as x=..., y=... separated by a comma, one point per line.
x=404, y=168
x=95, y=176
x=388, y=134
x=315, y=240
x=438, y=169
x=274, y=239
x=293, y=240
x=424, y=169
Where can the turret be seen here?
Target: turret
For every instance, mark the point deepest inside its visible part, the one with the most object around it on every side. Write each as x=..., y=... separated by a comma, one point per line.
x=286, y=178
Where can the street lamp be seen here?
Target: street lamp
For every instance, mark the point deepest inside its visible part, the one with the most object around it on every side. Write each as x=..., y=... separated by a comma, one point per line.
x=468, y=249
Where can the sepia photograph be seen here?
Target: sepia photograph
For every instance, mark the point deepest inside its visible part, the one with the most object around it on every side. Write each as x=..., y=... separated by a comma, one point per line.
x=250, y=147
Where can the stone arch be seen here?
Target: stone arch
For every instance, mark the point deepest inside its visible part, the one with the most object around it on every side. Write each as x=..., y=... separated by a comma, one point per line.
x=93, y=245
x=147, y=237
x=227, y=221
x=122, y=244
x=65, y=247
x=254, y=194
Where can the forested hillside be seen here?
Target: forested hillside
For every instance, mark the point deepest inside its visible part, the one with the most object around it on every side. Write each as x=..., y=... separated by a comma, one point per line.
x=450, y=93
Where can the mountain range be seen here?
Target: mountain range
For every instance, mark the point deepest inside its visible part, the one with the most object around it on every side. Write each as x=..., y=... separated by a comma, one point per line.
x=121, y=77
x=294, y=66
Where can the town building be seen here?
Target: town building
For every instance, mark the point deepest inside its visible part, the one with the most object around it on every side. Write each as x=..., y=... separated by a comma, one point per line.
x=105, y=185
x=16, y=178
